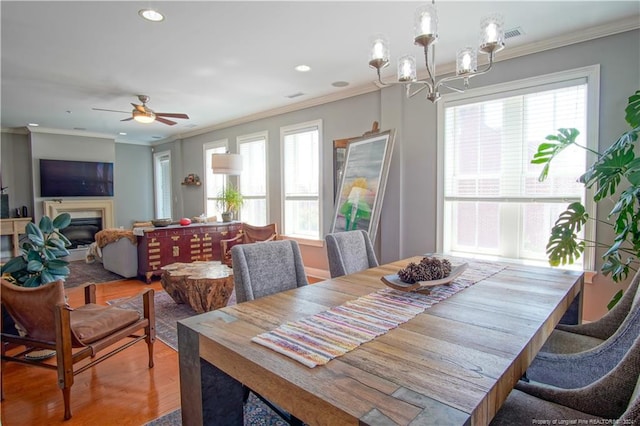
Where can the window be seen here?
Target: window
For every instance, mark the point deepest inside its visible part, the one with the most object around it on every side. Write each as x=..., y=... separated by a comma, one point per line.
x=214, y=183
x=301, y=180
x=253, y=180
x=491, y=202
x=162, y=177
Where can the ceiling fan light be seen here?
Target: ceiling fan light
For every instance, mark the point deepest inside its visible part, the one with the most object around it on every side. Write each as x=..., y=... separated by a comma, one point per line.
x=143, y=117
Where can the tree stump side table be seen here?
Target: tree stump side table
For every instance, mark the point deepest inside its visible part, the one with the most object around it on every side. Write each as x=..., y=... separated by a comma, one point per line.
x=205, y=286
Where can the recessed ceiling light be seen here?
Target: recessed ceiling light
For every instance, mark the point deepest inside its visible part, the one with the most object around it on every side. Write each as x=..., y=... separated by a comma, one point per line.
x=151, y=15
x=340, y=84
x=34, y=124
x=122, y=134
x=303, y=68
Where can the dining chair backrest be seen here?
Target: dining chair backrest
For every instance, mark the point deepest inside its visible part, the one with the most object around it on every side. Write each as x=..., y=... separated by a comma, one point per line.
x=261, y=269
x=349, y=252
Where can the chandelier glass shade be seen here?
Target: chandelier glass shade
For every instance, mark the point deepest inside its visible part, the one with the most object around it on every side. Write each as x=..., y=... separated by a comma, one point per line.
x=426, y=35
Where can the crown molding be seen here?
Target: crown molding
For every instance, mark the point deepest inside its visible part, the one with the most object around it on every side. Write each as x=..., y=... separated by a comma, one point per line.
x=66, y=132
x=308, y=103
x=15, y=130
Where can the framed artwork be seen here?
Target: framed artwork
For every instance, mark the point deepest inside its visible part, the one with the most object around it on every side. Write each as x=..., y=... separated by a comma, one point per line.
x=339, y=153
x=364, y=177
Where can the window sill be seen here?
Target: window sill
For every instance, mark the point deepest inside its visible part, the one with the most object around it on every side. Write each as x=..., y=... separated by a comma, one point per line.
x=305, y=241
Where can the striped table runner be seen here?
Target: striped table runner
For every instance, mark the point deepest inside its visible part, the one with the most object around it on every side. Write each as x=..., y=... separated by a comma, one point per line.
x=318, y=339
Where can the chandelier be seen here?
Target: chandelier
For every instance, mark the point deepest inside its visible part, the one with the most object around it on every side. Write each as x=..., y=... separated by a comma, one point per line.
x=426, y=35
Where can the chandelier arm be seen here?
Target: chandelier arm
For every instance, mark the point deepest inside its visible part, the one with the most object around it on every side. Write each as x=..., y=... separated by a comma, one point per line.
x=424, y=85
x=467, y=76
x=455, y=89
x=432, y=81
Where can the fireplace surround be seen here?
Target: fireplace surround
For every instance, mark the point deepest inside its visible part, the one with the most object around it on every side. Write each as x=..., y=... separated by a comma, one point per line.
x=87, y=217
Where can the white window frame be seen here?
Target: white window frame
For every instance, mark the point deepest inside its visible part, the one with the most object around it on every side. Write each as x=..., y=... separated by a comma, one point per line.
x=222, y=143
x=254, y=137
x=590, y=73
x=157, y=156
x=299, y=127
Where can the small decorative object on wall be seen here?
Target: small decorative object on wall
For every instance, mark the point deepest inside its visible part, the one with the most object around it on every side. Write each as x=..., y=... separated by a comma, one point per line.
x=191, y=179
x=361, y=189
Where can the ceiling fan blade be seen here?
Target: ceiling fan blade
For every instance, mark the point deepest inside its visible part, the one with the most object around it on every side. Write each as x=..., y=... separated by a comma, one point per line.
x=139, y=107
x=165, y=121
x=172, y=115
x=110, y=110
x=127, y=119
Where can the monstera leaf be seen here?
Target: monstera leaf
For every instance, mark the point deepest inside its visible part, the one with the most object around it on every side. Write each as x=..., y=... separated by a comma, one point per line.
x=614, y=176
x=564, y=247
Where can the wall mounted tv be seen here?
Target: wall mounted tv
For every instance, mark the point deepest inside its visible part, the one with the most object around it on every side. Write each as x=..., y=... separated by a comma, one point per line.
x=62, y=178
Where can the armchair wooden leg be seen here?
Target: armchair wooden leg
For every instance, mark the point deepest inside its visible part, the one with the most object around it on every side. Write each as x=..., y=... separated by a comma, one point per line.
x=66, y=396
x=150, y=314
x=64, y=356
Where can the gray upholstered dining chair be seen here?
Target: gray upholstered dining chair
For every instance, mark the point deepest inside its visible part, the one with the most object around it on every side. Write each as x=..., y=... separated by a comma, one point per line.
x=349, y=252
x=614, y=397
x=261, y=269
x=577, y=355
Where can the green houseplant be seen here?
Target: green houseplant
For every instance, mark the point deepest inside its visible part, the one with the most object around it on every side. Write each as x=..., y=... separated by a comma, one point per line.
x=614, y=176
x=40, y=256
x=229, y=201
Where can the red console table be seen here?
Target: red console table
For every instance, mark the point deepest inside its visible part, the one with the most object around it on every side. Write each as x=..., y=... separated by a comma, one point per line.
x=158, y=247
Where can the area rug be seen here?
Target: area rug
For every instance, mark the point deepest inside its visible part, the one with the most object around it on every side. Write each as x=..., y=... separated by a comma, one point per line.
x=256, y=413
x=82, y=272
x=168, y=313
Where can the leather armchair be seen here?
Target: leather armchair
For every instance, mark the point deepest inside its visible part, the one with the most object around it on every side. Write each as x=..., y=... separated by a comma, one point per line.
x=250, y=234
x=74, y=334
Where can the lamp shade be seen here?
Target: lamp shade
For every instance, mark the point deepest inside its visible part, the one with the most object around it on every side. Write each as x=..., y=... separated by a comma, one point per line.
x=226, y=164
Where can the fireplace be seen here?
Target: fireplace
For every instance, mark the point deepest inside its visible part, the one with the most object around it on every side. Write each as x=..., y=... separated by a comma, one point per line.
x=82, y=231
x=89, y=216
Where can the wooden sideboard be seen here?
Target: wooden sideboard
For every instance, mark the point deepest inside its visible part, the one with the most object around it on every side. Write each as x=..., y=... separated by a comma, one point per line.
x=158, y=247
x=14, y=227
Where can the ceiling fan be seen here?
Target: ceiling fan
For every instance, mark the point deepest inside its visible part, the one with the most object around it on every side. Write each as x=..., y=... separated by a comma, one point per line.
x=144, y=114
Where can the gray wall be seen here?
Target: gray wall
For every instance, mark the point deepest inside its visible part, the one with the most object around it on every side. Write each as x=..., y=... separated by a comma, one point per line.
x=133, y=178
x=133, y=189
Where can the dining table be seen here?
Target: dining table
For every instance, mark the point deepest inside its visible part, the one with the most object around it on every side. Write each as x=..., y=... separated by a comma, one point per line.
x=453, y=363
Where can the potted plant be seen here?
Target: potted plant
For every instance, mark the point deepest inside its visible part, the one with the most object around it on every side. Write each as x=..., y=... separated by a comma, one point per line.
x=40, y=259
x=40, y=256
x=615, y=176
x=229, y=201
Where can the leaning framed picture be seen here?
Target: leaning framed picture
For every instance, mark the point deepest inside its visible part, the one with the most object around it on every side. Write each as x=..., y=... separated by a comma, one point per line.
x=361, y=189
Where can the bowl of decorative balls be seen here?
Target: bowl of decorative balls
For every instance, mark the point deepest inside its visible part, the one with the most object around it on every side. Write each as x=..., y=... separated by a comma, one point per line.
x=429, y=272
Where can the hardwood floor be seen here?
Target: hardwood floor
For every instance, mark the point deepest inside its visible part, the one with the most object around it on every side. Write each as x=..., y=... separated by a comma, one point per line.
x=122, y=390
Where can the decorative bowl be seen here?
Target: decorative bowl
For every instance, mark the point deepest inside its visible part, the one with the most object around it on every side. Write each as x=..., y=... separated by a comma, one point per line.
x=161, y=222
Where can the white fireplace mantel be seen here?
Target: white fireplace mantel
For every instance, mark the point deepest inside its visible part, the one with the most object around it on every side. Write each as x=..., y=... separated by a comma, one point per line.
x=82, y=209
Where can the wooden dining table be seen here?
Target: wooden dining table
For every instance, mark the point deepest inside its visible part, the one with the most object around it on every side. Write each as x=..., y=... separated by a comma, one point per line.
x=453, y=364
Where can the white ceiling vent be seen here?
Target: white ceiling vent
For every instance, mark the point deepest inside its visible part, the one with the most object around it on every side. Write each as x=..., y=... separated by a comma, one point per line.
x=513, y=32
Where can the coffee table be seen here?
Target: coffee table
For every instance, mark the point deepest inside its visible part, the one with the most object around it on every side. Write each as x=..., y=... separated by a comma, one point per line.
x=205, y=286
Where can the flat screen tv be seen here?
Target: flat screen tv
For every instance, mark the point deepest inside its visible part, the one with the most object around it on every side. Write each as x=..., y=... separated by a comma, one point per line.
x=63, y=178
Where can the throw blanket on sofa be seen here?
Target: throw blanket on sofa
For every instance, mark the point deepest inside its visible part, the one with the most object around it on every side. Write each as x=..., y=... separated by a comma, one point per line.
x=107, y=236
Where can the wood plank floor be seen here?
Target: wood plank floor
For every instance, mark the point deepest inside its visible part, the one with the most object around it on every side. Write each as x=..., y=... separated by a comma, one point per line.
x=121, y=390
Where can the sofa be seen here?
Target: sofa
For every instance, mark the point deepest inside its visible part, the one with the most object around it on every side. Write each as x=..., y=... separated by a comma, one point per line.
x=119, y=251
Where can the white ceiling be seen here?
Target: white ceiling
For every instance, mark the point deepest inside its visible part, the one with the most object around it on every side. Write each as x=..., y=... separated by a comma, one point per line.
x=222, y=61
